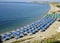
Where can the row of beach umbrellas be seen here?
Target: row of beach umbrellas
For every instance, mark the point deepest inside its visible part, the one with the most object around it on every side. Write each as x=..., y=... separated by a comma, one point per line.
x=40, y=25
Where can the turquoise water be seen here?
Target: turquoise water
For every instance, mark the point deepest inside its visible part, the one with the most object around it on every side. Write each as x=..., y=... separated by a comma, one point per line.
x=16, y=15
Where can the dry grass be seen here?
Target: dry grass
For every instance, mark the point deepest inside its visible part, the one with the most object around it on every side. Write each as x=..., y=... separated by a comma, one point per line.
x=53, y=39
x=22, y=40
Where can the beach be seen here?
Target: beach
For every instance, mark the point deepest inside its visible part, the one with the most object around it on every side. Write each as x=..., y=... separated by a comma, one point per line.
x=17, y=15
x=53, y=8
x=48, y=33
x=40, y=35
x=51, y=30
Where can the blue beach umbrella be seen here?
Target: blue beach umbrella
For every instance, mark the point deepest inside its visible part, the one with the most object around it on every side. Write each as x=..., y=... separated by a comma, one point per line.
x=13, y=31
x=17, y=29
x=16, y=35
x=28, y=26
x=3, y=36
x=33, y=31
x=38, y=28
x=32, y=24
x=26, y=30
x=21, y=33
x=30, y=32
x=8, y=37
x=9, y=33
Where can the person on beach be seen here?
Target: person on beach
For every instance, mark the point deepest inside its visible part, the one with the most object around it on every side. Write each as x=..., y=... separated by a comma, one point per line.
x=0, y=39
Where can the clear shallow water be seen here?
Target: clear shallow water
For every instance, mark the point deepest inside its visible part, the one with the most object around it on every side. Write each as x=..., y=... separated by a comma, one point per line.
x=16, y=15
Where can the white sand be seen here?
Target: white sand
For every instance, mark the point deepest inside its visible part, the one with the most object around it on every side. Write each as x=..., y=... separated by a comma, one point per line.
x=53, y=8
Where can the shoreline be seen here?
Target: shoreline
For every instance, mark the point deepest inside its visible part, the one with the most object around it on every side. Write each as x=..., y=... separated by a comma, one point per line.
x=50, y=29
x=39, y=35
x=20, y=26
x=8, y=29
x=27, y=23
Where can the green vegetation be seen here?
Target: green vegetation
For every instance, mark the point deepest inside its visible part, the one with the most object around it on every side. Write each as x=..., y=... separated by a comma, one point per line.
x=22, y=40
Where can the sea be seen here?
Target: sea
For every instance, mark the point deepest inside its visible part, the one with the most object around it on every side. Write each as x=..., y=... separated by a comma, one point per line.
x=16, y=15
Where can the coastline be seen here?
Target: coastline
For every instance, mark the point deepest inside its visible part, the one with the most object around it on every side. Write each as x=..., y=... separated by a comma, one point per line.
x=25, y=24
x=48, y=32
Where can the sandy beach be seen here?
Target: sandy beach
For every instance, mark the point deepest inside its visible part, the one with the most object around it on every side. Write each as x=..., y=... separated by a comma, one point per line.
x=51, y=30
x=48, y=33
x=40, y=35
x=53, y=8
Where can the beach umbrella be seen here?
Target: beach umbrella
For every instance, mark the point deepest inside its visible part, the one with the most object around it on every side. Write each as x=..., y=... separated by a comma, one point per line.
x=13, y=32
x=9, y=34
x=30, y=32
x=8, y=37
x=32, y=23
x=46, y=26
x=21, y=33
x=24, y=26
x=42, y=30
x=17, y=29
x=16, y=34
x=28, y=26
x=32, y=28
x=3, y=35
x=27, y=30
x=34, y=31
x=38, y=28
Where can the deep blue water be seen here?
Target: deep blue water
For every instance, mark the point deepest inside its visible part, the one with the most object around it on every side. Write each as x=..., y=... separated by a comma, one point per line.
x=16, y=15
